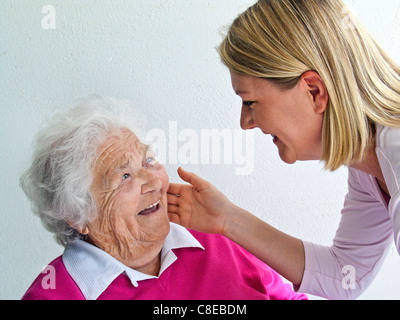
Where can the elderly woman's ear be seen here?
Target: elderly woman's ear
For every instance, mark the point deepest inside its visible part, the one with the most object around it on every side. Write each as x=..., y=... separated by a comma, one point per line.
x=84, y=231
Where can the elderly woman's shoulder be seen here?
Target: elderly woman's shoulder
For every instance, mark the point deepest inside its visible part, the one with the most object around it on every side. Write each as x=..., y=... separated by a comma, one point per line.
x=53, y=283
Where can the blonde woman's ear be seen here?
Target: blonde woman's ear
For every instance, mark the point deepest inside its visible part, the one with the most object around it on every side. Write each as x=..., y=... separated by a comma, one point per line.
x=317, y=88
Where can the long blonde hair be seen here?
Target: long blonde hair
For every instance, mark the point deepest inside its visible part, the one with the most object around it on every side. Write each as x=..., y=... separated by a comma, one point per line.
x=279, y=40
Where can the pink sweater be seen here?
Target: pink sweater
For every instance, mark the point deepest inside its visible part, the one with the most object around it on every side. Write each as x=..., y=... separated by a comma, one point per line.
x=223, y=271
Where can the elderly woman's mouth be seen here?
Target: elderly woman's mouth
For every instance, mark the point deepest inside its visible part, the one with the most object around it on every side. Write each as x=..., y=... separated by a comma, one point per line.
x=150, y=209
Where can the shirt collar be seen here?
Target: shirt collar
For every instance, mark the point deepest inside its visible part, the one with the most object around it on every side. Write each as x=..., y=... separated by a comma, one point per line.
x=93, y=269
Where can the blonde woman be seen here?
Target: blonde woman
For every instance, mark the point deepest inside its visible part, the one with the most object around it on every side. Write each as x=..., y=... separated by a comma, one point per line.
x=323, y=88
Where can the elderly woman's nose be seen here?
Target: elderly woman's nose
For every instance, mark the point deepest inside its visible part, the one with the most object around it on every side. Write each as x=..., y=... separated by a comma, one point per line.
x=246, y=119
x=151, y=182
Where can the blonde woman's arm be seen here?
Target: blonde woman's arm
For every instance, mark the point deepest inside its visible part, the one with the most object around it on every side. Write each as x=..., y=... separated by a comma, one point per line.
x=203, y=207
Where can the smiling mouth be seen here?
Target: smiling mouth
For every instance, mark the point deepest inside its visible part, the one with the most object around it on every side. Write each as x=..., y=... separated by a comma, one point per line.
x=150, y=209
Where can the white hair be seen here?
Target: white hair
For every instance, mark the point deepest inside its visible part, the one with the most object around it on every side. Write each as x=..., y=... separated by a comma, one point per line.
x=59, y=179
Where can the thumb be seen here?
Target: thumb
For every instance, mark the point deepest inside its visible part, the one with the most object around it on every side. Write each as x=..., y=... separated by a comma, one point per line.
x=197, y=182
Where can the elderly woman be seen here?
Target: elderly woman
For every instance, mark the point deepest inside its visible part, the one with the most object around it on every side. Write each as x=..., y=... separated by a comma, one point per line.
x=101, y=191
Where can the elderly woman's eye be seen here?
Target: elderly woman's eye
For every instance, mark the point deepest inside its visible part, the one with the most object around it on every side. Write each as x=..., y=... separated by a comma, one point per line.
x=150, y=157
x=125, y=176
x=150, y=160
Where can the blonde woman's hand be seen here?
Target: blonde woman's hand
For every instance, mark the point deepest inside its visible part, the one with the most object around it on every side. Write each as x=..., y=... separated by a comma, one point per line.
x=198, y=205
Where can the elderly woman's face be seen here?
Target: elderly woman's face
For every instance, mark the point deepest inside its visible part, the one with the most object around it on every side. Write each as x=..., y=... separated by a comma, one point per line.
x=129, y=188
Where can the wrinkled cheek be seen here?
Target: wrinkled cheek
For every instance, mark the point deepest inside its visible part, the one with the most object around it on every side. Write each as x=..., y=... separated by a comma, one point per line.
x=153, y=231
x=122, y=235
x=113, y=236
x=165, y=180
x=100, y=235
x=102, y=230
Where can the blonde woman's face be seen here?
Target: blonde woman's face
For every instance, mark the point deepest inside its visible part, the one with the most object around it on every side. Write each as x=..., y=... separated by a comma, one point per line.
x=293, y=117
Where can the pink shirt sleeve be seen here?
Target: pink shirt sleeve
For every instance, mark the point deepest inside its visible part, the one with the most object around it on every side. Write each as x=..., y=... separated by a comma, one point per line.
x=347, y=268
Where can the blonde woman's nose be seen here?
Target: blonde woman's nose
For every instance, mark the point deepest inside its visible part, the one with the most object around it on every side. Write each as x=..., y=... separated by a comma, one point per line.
x=246, y=120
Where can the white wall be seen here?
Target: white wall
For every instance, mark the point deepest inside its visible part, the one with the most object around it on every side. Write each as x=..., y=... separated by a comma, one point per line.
x=160, y=54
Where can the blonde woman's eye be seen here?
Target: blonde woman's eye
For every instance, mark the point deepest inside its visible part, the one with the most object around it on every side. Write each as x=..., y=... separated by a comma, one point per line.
x=248, y=104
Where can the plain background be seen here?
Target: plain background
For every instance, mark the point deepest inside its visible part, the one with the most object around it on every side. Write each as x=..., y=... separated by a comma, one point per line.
x=162, y=56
